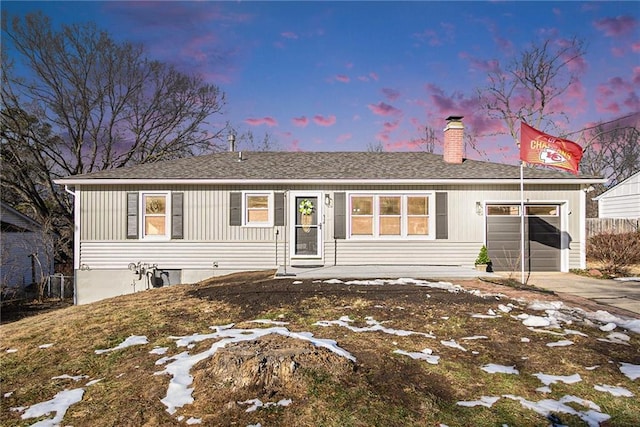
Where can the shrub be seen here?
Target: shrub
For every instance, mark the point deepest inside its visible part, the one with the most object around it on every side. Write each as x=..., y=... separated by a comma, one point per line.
x=615, y=251
x=483, y=256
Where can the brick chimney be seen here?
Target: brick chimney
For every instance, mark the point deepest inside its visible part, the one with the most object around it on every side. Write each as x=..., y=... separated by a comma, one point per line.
x=454, y=140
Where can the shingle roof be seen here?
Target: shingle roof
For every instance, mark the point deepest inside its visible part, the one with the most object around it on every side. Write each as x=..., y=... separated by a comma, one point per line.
x=321, y=166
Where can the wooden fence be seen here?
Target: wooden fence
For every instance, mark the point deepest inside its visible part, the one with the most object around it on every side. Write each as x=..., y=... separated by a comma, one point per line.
x=611, y=225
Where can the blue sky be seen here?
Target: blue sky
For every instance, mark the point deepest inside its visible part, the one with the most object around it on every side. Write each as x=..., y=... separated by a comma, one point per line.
x=339, y=76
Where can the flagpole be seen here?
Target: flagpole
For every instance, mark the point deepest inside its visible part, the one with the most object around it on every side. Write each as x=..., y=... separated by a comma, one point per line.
x=522, y=222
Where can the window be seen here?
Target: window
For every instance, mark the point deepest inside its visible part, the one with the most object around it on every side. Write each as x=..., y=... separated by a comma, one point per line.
x=362, y=215
x=390, y=216
x=417, y=215
x=155, y=218
x=542, y=210
x=503, y=210
x=257, y=209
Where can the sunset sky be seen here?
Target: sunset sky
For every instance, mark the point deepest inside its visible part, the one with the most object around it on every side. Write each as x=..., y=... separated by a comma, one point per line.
x=339, y=76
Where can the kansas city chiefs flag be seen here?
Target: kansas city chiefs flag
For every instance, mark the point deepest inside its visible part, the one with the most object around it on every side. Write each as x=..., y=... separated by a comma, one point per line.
x=539, y=148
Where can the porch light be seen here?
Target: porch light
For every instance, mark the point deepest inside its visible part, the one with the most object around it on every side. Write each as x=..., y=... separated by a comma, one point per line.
x=479, y=208
x=327, y=199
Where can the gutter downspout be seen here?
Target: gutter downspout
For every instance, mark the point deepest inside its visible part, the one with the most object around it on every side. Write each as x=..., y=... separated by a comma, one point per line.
x=76, y=240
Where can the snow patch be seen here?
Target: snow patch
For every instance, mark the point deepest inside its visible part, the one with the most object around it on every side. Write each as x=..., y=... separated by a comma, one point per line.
x=492, y=368
x=593, y=417
x=425, y=354
x=486, y=401
x=616, y=391
x=561, y=343
x=131, y=341
x=631, y=371
x=453, y=344
x=59, y=404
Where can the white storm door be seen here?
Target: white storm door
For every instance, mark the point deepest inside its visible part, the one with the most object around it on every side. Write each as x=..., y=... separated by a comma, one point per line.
x=306, y=229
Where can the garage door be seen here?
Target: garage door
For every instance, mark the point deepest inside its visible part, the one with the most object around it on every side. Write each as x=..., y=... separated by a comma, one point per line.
x=542, y=237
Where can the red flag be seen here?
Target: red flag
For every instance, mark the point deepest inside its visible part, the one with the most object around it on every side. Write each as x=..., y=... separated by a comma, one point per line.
x=539, y=148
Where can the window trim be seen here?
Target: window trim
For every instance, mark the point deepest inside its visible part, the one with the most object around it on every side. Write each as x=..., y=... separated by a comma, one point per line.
x=270, y=209
x=404, y=195
x=167, y=215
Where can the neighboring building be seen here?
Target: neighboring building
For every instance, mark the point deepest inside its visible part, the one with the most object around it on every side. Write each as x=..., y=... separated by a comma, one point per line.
x=621, y=200
x=185, y=220
x=27, y=255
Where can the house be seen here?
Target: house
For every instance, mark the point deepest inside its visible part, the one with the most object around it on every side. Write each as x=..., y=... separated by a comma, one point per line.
x=185, y=220
x=27, y=253
x=621, y=200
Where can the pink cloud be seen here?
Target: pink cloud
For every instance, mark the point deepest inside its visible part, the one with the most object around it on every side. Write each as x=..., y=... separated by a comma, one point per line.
x=382, y=109
x=289, y=35
x=384, y=137
x=613, y=27
x=269, y=121
x=391, y=94
x=442, y=105
x=364, y=78
x=428, y=36
x=489, y=66
x=373, y=76
x=344, y=138
x=295, y=145
x=300, y=121
x=324, y=121
x=618, y=52
x=342, y=78
x=432, y=37
x=575, y=64
x=632, y=101
x=391, y=126
x=618, y=93
x=504, y=44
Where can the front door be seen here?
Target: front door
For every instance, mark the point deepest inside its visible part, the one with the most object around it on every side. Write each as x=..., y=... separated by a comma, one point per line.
x=306, y=241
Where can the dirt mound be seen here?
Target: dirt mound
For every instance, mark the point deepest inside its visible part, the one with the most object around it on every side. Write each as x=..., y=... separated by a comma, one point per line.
x=273, y=367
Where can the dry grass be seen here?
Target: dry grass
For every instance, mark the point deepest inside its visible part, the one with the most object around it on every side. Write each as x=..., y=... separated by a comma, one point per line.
x=381, y=388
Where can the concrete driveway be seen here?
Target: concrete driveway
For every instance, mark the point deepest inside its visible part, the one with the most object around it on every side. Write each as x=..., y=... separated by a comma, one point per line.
x=621, y=294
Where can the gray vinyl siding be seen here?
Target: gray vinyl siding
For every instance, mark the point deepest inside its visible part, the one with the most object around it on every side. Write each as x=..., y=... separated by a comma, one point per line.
x=178, y=254
x=400, y=252
x=624, y=206
x=208, y=237
x=621, y=201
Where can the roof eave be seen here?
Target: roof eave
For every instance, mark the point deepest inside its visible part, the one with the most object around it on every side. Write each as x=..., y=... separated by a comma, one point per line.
x=465, y=181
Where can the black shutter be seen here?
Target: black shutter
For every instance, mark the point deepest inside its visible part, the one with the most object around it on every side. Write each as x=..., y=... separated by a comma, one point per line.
x=177, y=225
x=442, y=220
x=339, y=215
x=235, y=209
x=278, y=213
x=132, y=215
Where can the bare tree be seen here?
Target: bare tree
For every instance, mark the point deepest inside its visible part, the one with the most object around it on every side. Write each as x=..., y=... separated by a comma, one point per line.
x=529, y=88
x=376, y=147
x=248, y=141
x=611, y=150
x=86, y=103
x=428, y=141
